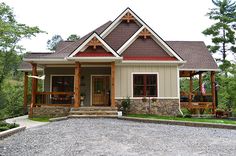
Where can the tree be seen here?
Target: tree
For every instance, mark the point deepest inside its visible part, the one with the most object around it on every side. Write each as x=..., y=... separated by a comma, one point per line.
x=11, y=32
x=52, y=43
x=222, y=32
x=73, y=37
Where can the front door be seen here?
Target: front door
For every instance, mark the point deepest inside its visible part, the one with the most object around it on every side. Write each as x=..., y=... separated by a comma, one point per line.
x=100, y=90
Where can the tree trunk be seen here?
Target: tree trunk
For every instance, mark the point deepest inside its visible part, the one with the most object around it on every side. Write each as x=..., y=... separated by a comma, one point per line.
x=224, y=54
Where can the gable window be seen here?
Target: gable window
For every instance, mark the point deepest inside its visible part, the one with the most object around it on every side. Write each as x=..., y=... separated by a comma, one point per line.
x=144, y=85
x=62, y=83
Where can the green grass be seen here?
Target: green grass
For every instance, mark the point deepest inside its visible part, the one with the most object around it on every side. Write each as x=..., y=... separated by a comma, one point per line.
x=208, y=120
x=45, y=119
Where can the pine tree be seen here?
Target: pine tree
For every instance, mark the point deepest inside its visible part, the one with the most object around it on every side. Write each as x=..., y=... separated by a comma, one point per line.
x=223, y=31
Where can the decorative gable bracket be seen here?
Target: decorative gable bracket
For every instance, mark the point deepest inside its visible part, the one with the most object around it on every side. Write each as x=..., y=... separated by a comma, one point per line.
x=128, y=17
x=145, y=33
x=93, y=40
x=94, y=43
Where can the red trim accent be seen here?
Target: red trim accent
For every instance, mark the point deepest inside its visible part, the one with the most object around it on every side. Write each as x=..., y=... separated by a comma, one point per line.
x=148, y=58
x=93, y=54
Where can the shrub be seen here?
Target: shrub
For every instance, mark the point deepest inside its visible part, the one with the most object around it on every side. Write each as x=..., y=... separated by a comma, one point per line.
x=187, y=116
x=125, y=104
x=4, y=128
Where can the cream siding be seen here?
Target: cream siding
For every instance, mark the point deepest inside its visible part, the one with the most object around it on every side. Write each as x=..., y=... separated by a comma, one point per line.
x=167, y=79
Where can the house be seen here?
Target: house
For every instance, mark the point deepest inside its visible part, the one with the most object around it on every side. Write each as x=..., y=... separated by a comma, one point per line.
x=123, y=58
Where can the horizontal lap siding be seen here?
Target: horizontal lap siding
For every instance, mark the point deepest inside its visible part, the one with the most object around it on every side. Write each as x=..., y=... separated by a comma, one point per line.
x=167, y=79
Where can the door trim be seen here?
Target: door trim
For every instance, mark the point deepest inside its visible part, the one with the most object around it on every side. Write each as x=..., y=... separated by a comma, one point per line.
x=91, y=86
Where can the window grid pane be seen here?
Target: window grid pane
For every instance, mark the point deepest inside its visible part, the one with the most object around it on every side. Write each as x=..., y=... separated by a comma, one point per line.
x=144, y=85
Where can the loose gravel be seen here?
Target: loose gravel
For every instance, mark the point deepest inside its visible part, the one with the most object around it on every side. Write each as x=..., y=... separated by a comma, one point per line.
x=118, y=137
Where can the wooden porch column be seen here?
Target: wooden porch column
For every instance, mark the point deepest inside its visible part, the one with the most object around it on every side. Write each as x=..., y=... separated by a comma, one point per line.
x=77, y=85
x=190, y=88
x=213, y=93
x=113, y=84
x=34, y=89
x=200, y=83
x=25, y=92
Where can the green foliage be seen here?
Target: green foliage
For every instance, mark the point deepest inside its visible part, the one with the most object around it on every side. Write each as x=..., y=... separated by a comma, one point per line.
x=125, y=105
x=6, y=126
x=227, y=89
x=11, y=32
x=222, y=32
x=53, y=42
x=73, y=37
x=13, y=97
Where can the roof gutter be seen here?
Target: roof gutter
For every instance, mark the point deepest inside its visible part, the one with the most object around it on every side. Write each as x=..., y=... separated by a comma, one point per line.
x=93, y=58
x=199, y=69
x=43, y=60
x=154, y=62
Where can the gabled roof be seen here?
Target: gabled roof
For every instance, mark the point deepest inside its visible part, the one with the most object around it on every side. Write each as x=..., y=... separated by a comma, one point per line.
x=156, y=37
x=194, y=53
x=158, y=40
x=65, y=48
x=94, y=35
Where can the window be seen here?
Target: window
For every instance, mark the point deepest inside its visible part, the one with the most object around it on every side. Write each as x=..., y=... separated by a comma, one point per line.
x=62, y=83
x=145, y=85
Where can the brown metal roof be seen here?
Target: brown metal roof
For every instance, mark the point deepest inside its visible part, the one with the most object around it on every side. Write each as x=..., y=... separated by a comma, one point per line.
x=195, y=53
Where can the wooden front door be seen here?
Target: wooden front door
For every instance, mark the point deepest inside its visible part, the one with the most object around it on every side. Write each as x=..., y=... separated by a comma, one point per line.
x=100, y=90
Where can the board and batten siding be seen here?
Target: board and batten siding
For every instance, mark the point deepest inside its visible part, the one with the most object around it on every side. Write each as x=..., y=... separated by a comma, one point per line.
x=167, y=77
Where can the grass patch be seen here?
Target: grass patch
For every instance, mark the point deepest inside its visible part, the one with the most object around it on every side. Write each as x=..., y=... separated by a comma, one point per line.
x=6, y=126
x=207, y=120
x=45, y=119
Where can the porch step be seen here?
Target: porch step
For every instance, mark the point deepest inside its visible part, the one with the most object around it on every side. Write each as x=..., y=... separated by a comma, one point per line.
x=92, y=116
x=94, y=109
x=94, y=112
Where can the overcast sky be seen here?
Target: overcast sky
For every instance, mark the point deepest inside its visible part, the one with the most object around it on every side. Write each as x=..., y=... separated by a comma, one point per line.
x=171, y=19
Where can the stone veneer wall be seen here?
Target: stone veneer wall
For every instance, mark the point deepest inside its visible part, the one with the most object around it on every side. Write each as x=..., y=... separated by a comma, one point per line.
x=47, y=111
x=167, y=107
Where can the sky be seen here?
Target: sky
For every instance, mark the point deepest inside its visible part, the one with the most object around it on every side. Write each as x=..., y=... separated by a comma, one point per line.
x=180, y=20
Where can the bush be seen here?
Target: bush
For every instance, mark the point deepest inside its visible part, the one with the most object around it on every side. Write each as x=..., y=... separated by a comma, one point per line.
x=6, y=126
x=125, y=105
x=13, y=98
x=187, y=116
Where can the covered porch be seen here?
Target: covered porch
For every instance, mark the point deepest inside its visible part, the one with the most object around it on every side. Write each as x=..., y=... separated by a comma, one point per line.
x=198, y=99
x=90, y=84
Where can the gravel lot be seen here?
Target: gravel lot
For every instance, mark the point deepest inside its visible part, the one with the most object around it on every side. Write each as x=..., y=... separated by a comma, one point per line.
x=118, y=137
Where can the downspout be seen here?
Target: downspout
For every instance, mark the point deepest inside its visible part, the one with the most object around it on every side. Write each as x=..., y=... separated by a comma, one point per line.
x=179, y=91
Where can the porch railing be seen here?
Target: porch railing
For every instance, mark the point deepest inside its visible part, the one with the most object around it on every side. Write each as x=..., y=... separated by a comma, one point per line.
x=65, y=99
x=196, y=101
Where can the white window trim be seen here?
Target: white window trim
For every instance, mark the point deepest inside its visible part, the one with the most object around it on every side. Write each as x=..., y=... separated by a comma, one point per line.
x=132, y=75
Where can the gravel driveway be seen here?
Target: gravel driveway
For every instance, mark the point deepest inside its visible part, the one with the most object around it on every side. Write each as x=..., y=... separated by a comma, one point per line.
x=118, y=137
